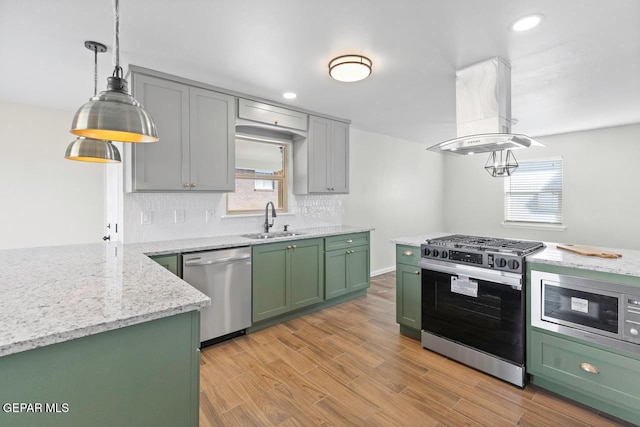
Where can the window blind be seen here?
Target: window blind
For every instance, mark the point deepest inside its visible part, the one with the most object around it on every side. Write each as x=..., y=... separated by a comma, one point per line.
x=533, y=192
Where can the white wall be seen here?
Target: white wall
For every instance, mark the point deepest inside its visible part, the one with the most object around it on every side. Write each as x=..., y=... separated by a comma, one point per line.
x=601, y=195
x=396, y=187
x=45, y=199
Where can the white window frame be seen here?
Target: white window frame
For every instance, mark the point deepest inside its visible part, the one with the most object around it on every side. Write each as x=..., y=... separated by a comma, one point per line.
x=509, y=221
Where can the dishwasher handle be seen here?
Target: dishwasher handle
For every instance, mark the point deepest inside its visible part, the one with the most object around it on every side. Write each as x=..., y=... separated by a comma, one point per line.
x=198, y=261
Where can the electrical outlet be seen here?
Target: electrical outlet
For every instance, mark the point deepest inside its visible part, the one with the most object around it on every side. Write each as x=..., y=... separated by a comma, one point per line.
x=179, y=216
x=210, y=214
x=146, y=218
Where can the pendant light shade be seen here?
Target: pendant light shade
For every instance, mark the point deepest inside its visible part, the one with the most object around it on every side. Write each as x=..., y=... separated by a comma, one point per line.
x=500, y=165
x=114, y=115
x=92, y=150
x=89, y=149
x=350, y=68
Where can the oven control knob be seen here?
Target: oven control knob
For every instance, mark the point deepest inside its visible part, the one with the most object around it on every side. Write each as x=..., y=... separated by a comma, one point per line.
x=444, y=254
x=427, y=251
x=435, y=253
x=501, y=262
x=514, y=264
x=633, y=331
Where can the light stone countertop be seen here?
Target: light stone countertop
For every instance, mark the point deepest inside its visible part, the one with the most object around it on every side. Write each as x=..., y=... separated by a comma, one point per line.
x=628, y=264
x=418, y=240
x=54, y=294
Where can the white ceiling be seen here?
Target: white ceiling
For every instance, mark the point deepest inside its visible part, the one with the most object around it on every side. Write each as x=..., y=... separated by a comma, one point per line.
x=579, y=70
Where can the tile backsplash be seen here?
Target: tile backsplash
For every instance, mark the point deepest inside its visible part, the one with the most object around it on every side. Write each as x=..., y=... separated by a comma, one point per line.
x=165, y=216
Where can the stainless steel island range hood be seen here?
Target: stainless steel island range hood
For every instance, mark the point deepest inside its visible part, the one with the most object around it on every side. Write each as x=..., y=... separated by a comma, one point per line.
x=483, y=111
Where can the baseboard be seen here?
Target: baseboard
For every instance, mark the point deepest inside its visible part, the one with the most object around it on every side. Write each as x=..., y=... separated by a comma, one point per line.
x=383, y=271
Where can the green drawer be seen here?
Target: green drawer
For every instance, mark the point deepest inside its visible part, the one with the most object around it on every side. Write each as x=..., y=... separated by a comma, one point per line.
x=346, y=241
x=409, y=255
x=564, y=362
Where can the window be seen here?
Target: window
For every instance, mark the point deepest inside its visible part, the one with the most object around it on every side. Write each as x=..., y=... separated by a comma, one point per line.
x=533, y=193
x=260, y=176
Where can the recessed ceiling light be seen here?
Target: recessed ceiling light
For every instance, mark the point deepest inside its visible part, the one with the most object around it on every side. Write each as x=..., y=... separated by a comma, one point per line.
x=526, y=23
x=289, y=95
x=350, y=68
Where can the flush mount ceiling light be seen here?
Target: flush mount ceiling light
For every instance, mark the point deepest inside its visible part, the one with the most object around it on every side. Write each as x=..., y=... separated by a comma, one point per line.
x=114, y=114
x=526, y=23
x=500, y=165
x=289, y=95
x=89, y=149
x=350, y=68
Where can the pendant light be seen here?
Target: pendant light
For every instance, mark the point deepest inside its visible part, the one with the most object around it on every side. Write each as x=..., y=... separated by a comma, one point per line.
x=114, y=114
x=499, y=166
x=89, y=149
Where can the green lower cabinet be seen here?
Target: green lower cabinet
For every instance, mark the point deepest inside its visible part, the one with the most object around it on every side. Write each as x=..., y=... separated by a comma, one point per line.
x=170, y=262
x=599, y=378
x=286, y=276
x=408, y=296
x=346, y=270
x=140, y=375
x=408, y=290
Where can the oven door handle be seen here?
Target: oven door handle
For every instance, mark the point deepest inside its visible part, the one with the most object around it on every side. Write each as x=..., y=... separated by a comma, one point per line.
x=495, y=276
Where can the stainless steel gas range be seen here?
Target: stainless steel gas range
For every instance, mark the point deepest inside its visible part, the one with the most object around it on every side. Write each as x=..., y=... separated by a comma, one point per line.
x=473, y=304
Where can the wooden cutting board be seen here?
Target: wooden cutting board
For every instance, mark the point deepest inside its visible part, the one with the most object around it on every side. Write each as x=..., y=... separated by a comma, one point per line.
x=588, y=251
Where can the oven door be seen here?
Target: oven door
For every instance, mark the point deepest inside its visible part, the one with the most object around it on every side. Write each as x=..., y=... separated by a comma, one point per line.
x=476, y=307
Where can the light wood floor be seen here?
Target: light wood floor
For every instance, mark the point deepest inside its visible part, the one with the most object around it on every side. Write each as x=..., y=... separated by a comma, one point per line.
x=349, y=365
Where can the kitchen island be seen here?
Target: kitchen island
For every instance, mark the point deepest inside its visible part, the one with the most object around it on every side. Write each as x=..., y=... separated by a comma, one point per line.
x=96, y=334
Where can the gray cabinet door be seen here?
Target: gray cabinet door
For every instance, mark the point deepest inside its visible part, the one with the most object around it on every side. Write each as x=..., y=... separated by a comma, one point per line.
x=162, y=165
x=328, y=162
x=339, y=157
x=319, y=134
x=212, y=145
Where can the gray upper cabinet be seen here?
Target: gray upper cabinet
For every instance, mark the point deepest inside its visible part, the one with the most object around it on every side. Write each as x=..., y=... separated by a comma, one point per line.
x=270, y=114
x=196, y=151
x=321, y=162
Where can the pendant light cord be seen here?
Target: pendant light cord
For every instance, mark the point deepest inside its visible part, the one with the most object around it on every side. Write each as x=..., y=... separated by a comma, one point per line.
x=95, y=70
x=117, y=72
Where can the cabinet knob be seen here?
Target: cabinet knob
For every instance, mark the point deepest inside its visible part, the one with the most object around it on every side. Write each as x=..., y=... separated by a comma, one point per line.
x=193, y=185
x=417, y=273
x=294, y=246
x=185, y=185
x=349, y=241
x=289, y=247
x=588, y=367
x=408, y=253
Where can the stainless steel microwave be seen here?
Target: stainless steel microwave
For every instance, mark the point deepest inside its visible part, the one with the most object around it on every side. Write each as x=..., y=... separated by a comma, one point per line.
x=600, y=312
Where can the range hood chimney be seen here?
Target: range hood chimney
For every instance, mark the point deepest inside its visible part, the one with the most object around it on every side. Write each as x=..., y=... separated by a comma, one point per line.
x=483, y=111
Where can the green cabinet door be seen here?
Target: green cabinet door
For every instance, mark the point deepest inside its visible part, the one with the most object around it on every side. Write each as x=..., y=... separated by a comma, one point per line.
x=170, y=262
x=335, y=266
x=346, y=270
x=269, y=275
x=358, y=268
x=408, y=296
x=306, y=272
x=286, y=276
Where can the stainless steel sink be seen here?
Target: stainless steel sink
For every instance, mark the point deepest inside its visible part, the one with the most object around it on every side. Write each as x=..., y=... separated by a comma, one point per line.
x=274, y=235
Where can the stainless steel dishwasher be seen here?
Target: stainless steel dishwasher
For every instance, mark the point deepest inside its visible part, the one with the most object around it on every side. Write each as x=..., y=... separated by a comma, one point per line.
x=225, y=277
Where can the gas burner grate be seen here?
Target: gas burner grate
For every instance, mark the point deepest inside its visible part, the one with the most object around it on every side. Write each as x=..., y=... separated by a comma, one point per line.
x=517, y=247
